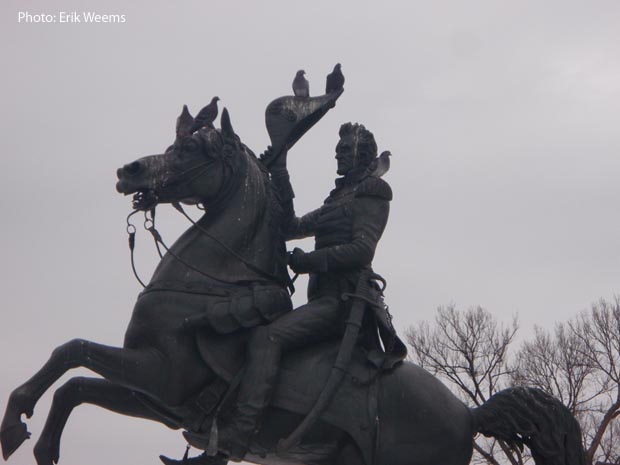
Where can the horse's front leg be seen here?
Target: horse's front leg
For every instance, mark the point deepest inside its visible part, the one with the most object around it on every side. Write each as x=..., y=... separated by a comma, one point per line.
x=93, y=391
x=13, y=431
x=144, y=370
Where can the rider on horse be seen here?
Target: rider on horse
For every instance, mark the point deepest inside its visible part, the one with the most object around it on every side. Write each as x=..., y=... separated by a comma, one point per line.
x=206, y=276
x=347, y=228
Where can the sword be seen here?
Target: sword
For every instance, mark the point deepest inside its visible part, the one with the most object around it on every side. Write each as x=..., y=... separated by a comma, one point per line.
x=353, y=325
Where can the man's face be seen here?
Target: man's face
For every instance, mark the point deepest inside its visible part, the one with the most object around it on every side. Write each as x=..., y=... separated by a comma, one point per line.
x=346, y=155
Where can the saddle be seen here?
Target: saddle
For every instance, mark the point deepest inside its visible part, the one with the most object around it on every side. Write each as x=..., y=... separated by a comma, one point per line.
x=303, y=374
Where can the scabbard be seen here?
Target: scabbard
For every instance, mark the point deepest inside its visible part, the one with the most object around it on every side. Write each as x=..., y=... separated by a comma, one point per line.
x=353, y=325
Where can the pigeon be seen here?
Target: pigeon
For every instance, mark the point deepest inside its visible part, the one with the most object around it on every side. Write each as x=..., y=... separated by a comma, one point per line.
x=381, y=164
x=185, y=121
x=206, y=116
x=335, y=80
x=301, y=86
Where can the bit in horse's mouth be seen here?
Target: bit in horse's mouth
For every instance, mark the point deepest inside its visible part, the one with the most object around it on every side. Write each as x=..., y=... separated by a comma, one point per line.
x=144, y=199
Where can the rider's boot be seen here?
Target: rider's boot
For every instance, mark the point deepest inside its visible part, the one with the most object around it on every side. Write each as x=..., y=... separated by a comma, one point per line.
x=255, y=392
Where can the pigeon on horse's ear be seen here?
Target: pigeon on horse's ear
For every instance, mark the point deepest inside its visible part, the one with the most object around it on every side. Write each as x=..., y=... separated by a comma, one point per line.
x=185, y=121
x=206, y=116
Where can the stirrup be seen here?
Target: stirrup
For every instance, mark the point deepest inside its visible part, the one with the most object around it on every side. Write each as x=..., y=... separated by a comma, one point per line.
x=214, y=447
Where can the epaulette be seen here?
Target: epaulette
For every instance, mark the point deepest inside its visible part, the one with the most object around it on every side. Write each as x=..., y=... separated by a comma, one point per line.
x=373, y=186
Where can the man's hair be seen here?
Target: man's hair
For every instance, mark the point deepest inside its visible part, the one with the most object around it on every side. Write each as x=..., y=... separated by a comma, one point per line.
x=366, y=145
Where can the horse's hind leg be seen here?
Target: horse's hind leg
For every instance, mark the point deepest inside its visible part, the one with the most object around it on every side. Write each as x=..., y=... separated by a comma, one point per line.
x=78, y=391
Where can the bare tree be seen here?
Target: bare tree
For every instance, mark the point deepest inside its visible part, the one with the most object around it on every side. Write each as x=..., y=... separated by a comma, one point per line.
x=609, y=448
x=470, y=350
x=557, y=364
x=599, y=331
x=578, y=362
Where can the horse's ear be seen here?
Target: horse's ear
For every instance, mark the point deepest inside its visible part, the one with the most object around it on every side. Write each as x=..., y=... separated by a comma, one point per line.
x=185, y=121
x=227, y=130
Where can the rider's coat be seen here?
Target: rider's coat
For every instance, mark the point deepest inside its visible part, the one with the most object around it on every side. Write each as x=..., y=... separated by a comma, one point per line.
x=347, y=228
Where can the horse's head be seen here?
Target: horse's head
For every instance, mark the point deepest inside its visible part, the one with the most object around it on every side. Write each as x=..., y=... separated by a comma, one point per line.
x=193, y=169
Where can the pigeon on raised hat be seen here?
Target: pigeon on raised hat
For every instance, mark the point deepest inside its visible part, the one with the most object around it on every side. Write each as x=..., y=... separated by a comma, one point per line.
x=335, y=80
x=301, y=86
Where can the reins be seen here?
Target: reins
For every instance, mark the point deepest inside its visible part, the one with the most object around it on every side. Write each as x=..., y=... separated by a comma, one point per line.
x=239, y=257
x=149, y=225
x=131, y=232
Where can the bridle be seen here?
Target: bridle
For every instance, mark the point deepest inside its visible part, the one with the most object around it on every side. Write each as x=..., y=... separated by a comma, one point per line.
x=149, y=225
x=152, y=200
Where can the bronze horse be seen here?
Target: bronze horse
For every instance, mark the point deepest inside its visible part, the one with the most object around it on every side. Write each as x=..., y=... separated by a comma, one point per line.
x=404, y=417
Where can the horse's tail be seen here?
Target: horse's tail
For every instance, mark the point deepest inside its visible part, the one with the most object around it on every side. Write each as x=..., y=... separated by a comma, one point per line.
x=529, y=416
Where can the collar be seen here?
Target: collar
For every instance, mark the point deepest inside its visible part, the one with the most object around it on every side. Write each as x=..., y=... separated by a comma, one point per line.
x=352, y=177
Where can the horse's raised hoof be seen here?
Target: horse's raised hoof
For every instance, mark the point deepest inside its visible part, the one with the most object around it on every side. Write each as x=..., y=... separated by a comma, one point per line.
x=45, y=454
x=11, y=437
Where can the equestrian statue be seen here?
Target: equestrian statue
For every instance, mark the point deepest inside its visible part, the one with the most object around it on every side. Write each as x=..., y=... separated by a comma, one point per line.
x=215, y=348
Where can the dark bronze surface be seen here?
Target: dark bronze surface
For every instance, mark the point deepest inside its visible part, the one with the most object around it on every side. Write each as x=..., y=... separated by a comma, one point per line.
x=224, y=283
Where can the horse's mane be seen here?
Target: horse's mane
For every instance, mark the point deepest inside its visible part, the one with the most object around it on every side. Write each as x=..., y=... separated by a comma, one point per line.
x=272, y=192
x=259, y=174
x=275, y=219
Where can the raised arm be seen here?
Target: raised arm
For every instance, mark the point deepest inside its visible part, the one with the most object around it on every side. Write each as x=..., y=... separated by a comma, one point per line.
x=293, y=227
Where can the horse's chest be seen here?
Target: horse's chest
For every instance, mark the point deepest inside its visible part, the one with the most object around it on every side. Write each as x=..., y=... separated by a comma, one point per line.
x=165, y=311
x=165, y=305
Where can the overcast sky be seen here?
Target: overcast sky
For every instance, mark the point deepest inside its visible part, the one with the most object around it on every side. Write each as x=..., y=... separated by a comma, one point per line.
x=502, y=118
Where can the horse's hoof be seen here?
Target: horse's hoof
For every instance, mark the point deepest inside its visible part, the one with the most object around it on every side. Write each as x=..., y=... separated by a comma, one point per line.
x=19, y=402
x=45, y=454
x=169, y=461
x=11, y=437
x=202, y=459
